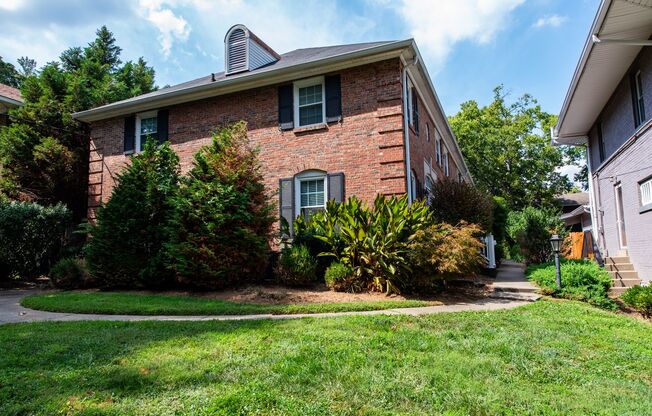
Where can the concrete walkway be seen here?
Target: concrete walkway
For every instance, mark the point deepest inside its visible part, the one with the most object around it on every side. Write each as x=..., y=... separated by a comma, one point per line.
x=511, y=283
x=510, y=278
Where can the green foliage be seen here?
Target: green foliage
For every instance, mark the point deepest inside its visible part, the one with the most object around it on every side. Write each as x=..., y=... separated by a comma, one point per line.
x=340, y=278
x=372, y=241
x=44, y=153
x=69, y=273
x=297, y=267
x=31, y=237
x=531, y=229
x=639, y=298
x=582, y=280
x=8, y=74
x=453, y=202
x=507, y=148
x=125, y=248
x=223, y=217
x=443, y=250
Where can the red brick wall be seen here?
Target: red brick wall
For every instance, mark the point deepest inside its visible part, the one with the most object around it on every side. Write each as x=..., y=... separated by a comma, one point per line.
x=422, y=149
x=367, y=145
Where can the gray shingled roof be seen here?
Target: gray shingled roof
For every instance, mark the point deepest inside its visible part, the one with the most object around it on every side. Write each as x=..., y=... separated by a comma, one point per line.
x=289, y=59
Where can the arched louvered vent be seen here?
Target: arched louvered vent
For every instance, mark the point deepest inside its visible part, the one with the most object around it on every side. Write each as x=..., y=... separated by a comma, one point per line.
x=244, y=51
x=236, y=51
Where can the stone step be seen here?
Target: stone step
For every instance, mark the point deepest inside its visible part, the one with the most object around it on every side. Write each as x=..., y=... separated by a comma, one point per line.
x=527, y=297
x=514, y=288
x=628, y=274
x=625, y=282
x=617, y=291
x=616, y=260
x=619, y=267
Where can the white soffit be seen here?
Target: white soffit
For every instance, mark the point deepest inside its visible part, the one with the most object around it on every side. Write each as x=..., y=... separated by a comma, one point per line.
x=606, y=65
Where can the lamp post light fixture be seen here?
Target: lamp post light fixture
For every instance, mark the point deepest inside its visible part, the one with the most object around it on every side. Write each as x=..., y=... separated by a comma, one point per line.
x=555, y=242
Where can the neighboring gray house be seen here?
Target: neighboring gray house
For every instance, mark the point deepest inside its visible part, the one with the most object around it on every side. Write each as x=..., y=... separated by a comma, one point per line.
x=576, y=211
x=608, y=108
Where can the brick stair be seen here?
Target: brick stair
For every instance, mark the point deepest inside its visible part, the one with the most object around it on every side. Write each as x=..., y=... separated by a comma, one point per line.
x=622, y=272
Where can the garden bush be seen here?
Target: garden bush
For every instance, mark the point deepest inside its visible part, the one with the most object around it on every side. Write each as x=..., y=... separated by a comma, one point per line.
x=70, y=273
x=639, y=298
x=453, y=202
x=340, y=278
x=582, y=280
x=222, y=217
x=125, y=249
x=297, y=267
x=31, y=237
x=372, y=241
x=531, y=229
x=443, y=250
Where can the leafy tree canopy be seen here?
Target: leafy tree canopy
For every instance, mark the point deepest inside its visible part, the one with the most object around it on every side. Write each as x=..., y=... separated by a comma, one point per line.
x=508, y=151
x=44, y=154
x=8, y=74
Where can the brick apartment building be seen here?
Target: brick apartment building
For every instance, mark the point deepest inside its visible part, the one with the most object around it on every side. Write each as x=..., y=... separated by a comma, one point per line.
x=330, y=122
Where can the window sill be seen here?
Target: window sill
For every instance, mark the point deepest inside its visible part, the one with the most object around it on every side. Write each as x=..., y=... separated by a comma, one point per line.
x=129, y=152
x=413, y=130
x=312, y=127
x=645, y=208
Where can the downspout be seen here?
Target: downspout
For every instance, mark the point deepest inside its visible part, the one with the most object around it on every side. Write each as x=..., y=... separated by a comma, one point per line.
x=406, y=129
x=595, y=225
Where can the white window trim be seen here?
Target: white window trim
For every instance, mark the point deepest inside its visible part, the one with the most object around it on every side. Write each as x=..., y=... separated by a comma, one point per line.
x=307, y=83
x=446, y=163
x=140, y=116
x=646, y=195
x=437, y=148
x=308, y=176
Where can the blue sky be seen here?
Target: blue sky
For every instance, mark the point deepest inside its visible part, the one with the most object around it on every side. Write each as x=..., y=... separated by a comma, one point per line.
x=469, y=46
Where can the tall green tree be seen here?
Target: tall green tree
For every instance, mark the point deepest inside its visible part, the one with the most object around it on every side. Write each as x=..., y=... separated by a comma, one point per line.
x=8, y=74
x=507, y=148
x=44, y=153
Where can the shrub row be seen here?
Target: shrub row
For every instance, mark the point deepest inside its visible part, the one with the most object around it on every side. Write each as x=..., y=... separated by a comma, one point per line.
x=31, y=237
x=582, y=280
x=639, y=298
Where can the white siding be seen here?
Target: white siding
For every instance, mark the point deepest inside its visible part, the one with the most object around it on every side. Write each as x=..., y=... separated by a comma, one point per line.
x=258, y=56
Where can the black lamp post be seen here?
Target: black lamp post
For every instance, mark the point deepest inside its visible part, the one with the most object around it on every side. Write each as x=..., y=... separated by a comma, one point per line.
x=555, y=242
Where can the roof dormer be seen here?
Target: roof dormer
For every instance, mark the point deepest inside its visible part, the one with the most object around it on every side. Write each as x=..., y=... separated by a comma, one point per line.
x=244, y=51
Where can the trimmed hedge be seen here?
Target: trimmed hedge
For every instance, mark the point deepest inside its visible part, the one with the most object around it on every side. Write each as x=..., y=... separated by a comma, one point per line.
x=639, y=298
x=31, y=237
x=581, y=280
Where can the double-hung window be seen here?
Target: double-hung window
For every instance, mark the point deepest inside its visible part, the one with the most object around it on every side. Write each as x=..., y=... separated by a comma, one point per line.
x=646, y=192
x=446, y=166
x=310, y=108
x=146, y=126
x=637, y=95
x=437, y=148
x=312, y=193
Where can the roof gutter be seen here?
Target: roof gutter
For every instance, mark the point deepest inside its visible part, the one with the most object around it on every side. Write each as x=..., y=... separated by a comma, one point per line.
x=579, y=71
x=238, y=83
x=10, y=101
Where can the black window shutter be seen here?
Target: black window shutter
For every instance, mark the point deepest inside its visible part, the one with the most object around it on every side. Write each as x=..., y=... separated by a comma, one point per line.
x=162, y=126
x=333, y=98
x=336, y=186
x=415, y=111
x=285, y=107
x=130, y=134
x=286, y=201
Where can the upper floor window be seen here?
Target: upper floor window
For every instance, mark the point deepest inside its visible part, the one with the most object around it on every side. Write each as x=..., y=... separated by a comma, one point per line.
x=414, y=109
x=427, y=132
x=310, y=107
x=446, y=165
x=646, y=192
x=637, y=96
x=601, y=151
x=437, y=148
x=146, y=125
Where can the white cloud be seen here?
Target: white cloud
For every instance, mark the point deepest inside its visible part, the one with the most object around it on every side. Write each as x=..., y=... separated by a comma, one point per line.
x=11, y=5
x=438, y=26
x=555, y=20
x=170, y=26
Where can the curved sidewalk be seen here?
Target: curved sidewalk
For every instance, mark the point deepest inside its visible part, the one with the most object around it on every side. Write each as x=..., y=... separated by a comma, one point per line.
x=12, y=312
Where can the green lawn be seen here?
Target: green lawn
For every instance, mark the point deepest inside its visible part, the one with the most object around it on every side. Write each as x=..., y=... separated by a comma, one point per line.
x=116, y=303
x=549, y=357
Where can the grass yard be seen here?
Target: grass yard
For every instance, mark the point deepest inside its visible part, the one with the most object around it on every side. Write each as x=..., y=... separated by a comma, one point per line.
x=116, y=303
x=549, y=357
